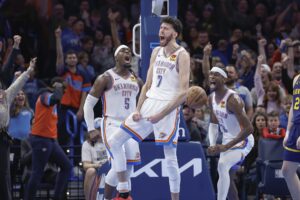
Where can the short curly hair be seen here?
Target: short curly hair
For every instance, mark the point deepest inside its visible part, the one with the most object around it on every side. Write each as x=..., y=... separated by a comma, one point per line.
x=176, y=23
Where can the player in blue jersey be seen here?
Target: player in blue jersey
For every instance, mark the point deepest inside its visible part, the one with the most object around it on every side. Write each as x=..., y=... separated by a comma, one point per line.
x=291, y=144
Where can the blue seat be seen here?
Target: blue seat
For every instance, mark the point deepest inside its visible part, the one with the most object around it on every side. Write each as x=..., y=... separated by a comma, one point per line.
x=268, y=165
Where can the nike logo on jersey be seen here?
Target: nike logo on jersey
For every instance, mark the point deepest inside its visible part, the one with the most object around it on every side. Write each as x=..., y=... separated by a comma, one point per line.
x=162, y=135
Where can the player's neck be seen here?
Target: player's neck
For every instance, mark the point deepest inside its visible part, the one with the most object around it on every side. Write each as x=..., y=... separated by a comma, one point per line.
x=230, y=85
x=220, y=93
x=121, y=71
x=171, y=48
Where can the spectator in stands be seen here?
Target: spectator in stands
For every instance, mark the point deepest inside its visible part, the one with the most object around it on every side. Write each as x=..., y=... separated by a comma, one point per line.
x=70, y=39
x=286, y=105
x=102, y=57
x=190, y=19
x=83, y=65
x=14, y=66
x=21, y=116
x=264, y=77
x=84, y=11
x=240, y=15
x=246, y=69
x=195, y=133
x=43, y=140
x=273, y=130
x=192, y=37
x=259, y=122
x=277, y=75
x=95, y=21
x=6, y=98
x=204, y=76
x=242, y=91
x=57, y=18
x=222, y=51
x=208, y=19
x=203, y=40
x=270, y=97
x=50, y=170
x=201, y=118
x=31, y=89
x=87, y=44
x=78, y=84
x=12, y=62
x=93, y=156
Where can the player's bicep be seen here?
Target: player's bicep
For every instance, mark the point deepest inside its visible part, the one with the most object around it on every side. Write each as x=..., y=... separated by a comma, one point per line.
x=184, y=70
x=236, y=106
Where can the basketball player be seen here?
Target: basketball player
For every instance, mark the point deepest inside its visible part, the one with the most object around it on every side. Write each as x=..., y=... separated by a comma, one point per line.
x=291, y=144
x=158, y=106
x=229, y=116
x=118, y=87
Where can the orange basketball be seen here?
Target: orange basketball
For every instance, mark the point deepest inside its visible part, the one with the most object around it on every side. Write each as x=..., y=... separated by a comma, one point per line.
x=196, y=97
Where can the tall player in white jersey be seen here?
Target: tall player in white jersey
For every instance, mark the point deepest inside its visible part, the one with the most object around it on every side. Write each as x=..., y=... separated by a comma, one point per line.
x=228, y=116
x=119, y=88
x=158, y=106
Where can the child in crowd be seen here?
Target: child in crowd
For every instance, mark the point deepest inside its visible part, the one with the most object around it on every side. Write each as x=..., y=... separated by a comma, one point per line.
x=273, y=130
x=286, y=105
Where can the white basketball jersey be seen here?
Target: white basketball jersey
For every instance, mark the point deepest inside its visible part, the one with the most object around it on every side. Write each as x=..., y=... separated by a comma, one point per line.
x=228, y=122
x=120, y=100
x=165, y=81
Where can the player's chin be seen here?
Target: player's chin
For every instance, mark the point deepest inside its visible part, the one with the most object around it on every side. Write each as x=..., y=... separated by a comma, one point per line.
x=162, y=43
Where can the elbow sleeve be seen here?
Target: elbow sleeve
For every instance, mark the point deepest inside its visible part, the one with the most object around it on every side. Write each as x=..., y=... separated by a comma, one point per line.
x=88, y=110
x=213, y=132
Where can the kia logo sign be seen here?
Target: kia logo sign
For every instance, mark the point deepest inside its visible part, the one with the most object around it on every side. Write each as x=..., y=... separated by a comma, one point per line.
x=195, y=163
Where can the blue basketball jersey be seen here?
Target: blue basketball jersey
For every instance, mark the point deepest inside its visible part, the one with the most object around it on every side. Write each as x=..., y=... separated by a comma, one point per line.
x=296, y=102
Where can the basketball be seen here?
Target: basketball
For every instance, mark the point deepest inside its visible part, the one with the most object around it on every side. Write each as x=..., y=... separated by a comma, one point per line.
x=196, y=97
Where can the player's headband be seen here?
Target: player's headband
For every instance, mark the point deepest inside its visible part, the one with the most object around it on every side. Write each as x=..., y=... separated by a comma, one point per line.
x=220, y=71
x=120, y=48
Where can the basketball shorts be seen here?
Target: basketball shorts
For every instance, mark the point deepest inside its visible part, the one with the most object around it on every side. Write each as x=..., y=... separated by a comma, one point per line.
x=165, y=131
x=131, y=147
x=243, y=147
x=291, y=153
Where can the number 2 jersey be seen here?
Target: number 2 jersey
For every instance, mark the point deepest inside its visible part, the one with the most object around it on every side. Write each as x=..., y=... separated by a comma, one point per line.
x=165, y=81
x=120, y=100
x=296, y=102
x=291, y=144
x=228, y=123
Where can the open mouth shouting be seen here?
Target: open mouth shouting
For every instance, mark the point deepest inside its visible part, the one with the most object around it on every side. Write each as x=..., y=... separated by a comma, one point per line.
x=127, y=59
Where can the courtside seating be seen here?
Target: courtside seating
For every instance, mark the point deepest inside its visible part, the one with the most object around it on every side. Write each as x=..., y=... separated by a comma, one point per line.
x=269, y=163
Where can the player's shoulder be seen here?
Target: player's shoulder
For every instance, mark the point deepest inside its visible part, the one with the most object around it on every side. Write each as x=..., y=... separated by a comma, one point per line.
x=104, y=77
x=296, y=78
x=234, y=101
x=156, y=50
x=182, y=52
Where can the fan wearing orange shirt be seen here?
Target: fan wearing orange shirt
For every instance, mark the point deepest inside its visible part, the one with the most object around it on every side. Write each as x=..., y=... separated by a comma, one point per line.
x=43, y=140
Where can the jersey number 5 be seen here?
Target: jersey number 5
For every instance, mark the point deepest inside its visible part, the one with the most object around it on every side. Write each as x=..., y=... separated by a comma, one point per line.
x=126, y=102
